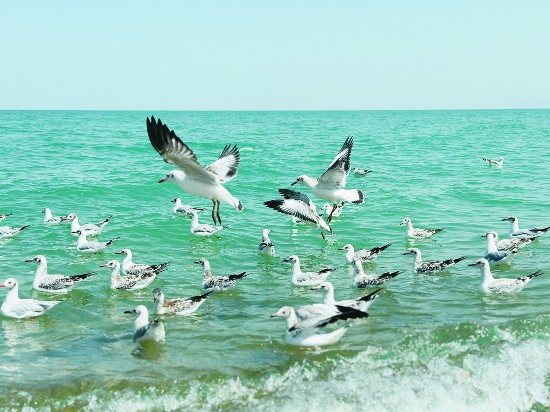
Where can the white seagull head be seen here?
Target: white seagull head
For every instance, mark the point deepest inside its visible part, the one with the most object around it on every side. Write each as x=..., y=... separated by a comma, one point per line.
x=36, y=259
x=173, y=176
x=9, y=283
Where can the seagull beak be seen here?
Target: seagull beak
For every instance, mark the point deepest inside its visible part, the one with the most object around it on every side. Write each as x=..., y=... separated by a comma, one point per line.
x=119, y=253
x=65, y=218
x=315, y=288
x=505, y=219
x=2, y=286
x=29, y=260
x=198, y=262
x=162, y=180
x=485, y=235
x=401, y=224
x=341, y=248
x=293, y=183
x=272, y=316
x=287, y=260
x=472, y=264
x=103, y=266
x=407, y=253
x=130, y=311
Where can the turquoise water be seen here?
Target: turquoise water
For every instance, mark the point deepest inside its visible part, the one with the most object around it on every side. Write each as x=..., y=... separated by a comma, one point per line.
x=432, y=342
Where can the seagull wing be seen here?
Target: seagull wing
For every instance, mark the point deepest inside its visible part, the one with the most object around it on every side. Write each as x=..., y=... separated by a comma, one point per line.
x=293, y=194
x=295, y=208
x=336, y=174
x=226, y=165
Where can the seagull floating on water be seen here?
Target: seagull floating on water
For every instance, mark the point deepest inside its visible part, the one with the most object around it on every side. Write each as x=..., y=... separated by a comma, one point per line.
x=49, y=219
x=431, y=267
x=13, y=307
x=418, y=233
x=495, y=256
x=498, y=162
x=361, y=172
x=84, y=245
x=503, y=285
x=266, y=247
x=217, y=283
x=193, y=178
x=7, y=231
x=299, y=206
x=5, y=215
x=336, y=211
x=145, y=330
x=179, y=208
x=510, y=244
x=363, y=280
x=128, y=282
x=177, y=306
x=363, y=303
x=45, y=282
x=305, y=322
x=300, y=278
x=516, y=232
x=90, y=228
x=131, y=268
x=202, y=229
x=330, y=186
x=365, y=255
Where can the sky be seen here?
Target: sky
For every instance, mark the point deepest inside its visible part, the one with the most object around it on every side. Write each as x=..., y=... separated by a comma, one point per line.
x=274, y=55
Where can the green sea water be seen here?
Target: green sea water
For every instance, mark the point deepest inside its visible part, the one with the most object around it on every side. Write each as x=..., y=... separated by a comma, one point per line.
x=431, y=342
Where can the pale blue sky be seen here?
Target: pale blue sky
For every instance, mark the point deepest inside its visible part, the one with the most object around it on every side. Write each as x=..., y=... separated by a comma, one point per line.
x=274, y=55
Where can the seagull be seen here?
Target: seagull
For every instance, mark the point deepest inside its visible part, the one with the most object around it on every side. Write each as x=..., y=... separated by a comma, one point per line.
x=13, y=307
x=300, y=278
x=129, y=282
x=266, y=247
x=362, y=304
x=361, y=172
x=7, y=231
x=184, y=209
x=49, y=219
x=304, y=322
x=86, y=246
x=503, y=285
x=365, y=255
x=516, y=232
x=498, y=162
x=327, y=208
x=330, y=186
x=418, y=233
x=431, y=267
x=217, y=283
x=5, y=215
x=300, y=206
x=510, y=244
x=45, y=282
x=177, y=306
x=363, y=280
x=131, y=268
x=145, y=330
x=495, y=256
x=193, y=178
x=90, y=228
x=202, y=229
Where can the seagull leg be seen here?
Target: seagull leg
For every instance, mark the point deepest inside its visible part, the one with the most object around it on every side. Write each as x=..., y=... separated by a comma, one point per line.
x=218, y=212
x=329, y=218
x=323, y=234
x=213, y=210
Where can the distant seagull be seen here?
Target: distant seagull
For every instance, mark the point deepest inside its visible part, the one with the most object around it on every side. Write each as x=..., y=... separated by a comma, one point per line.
x=361, y=172
x=49, y=219
x=217, y=283
x=13, y=307
x=131, y=268
x=179, y=208
x=363, y=303
x=90, y=228
x=366, y=255
x=300, y=278
x=202, y=229
x=516, y=232
x=193, y=178
x=128, y=282
x=45, y=282
x=363, y=280
x=498, y=162
x=177, y=306
x=5, y=215
x=303, y=323
x=418, y=233
x=336, y=211
x=300, y=206
x=145, y=330
x=431, y=267
x=503, y=285
x=330, y=186
x=495, y=256
x=84, y=245
x=266, y=247
x=510, y=244
x=7, y=231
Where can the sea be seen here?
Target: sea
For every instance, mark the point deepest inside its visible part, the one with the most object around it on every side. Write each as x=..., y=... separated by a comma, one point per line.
x=431, y=342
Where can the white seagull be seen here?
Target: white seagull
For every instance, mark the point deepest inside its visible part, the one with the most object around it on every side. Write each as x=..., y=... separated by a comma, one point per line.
x=495, y=256
x=202, y=229
x=84, y=245
x=145, y=330
x=300, y=278
x=300, y=206
x=49, y=219
x=90, y=228
x=13, y=307
x=361, y=172
x=266, y=247
x=217, y=283
x=129, y=282
x=365, y=255
x=336, y=211
x=45, y=282
x=193, y=178
x=7, y=231
x=330, y=186
x=431, y=267
x=303, y=323
x=503, y=285
x=418, y=233
x=131, y=268
x=363, y=280
x=179, y=208
x=177, y=306
x=516, y=232
x=511, y=243
x=363, y=303
x=498, y=162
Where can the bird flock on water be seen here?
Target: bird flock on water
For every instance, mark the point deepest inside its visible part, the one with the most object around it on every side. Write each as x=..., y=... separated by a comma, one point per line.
x=305, y=325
